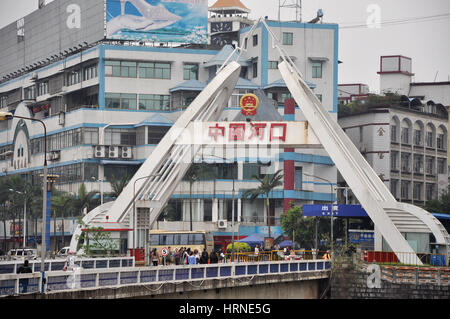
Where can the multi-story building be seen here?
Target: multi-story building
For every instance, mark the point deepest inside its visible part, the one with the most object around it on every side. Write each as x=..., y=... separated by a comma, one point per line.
x=406, y=142
x=107, y=105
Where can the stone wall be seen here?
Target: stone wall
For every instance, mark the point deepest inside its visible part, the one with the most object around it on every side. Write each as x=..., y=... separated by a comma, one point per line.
x=357, y=280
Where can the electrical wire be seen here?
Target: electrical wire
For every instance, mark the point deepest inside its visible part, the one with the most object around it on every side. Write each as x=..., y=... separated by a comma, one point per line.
x=394, y=22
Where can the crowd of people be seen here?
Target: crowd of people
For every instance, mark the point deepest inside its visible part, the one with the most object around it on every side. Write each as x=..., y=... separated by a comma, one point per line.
x=186, y=256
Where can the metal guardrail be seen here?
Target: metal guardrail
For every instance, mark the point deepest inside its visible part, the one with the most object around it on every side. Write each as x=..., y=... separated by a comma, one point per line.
x=59, y=281
x=10, y=267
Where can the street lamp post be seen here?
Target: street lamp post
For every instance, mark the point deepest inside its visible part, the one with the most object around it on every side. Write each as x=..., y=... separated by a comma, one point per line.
x=8, y=115
x=135, y=222
x=232, y=210
x=331, y=207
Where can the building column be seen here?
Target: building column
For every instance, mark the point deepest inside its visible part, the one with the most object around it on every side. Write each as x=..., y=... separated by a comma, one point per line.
x=289, y=165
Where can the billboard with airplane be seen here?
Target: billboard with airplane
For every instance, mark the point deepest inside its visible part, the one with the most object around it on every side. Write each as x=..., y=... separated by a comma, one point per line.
x=182, y=21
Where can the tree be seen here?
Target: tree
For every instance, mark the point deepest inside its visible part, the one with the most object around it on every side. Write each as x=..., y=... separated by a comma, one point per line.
x=300, y=229
x=84, y=200
x=441, y=205
x=62, y=203
x=95, y=240
x=117, y=185
x=267, y=184
x=194, y=173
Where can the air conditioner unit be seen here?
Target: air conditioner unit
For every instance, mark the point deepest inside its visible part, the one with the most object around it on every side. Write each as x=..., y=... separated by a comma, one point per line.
x=222, y=223
x=34, y=76
x=127, y=152
x=56, y=155
x=99, y=151
x=113, y=152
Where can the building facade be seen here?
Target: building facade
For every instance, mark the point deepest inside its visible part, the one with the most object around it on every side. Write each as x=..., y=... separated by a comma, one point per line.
x=108, y=105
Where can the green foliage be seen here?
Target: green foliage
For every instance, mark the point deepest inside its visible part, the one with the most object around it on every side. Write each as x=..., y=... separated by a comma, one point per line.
x=303, y=228
x=441, y=205
x=267, y=184
x=372, y=101
x=118, y=184
x=95, y=241
x=239, y=247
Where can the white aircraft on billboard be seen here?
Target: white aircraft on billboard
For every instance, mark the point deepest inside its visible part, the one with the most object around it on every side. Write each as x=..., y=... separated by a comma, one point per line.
x=153, y=18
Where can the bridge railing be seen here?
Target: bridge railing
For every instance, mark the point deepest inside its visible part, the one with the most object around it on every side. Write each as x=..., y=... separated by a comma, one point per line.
x=10, y=267
x=60, y=281
x=274, y=255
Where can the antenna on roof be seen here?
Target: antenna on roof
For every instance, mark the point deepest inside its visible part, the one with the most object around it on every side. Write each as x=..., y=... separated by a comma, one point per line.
x=291, y=4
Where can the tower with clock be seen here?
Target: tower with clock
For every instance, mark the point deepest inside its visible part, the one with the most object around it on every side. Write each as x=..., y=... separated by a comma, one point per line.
x=226, y=18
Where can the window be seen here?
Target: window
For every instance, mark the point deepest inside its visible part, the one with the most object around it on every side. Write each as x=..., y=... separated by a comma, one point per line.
x=394, y=160
x=418, y=137
x=90, y=72
x=418, y=164
x=429, y=165
x=121, y=68
x=394, y=185
x=30, y=93
x=417, y=191
x=154, y=70
x=441, y=164
x=405, y=135
x=405, y=185
x=255, y=40
x=255, y=69
x=430, y=139
x=273, y=65
x=429, y=191
x=298, y=178
x=250, y=170
x=73, y=77
x=190, y=71
x=154, y=102
x=156, y=133
x=4, y=101
x=43, y=88
x=317, y=70
x=440, y=142
x=288, y=38
x=393, y=133
x=406, y=162
x=120, y=136
x=121, y=101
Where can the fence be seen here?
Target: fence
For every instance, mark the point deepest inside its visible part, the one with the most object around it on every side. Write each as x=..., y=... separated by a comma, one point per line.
x=59, y=281
x=273, y=255
x=10, y=267
x=392, y=258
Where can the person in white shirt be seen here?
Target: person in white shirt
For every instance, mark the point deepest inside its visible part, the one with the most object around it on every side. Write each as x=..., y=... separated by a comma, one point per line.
x=70, y=262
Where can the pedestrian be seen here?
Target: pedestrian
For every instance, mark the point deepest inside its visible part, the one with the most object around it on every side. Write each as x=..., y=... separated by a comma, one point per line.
x=186, y=255
x=204, y=257
x=24, y=269
x=176, y=256
x=221, y=257
x=197, y=255
x=213, y=259
x=169, y=257
x=256, y=250
x=70, y=261
x=192, y=260
x=155, y=257
x=326, y=256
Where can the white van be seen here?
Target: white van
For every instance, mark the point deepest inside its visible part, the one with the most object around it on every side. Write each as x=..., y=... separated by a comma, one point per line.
x=63, y=252
x=21, y=253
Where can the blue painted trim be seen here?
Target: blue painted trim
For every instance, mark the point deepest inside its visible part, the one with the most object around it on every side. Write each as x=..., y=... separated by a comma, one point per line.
x=306, y=158
x=156, y=49
x=264, y=65
x=336, y=70
x=101, y=78
x=289, y=117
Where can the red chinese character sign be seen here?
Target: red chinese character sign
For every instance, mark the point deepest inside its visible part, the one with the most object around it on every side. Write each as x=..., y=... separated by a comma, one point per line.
x=249, y=104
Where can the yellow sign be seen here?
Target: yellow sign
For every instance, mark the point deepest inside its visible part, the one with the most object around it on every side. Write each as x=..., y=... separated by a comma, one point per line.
x=249, y=104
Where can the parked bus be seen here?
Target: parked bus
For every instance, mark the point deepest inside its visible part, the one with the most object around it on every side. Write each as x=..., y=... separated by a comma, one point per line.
x=176, y=239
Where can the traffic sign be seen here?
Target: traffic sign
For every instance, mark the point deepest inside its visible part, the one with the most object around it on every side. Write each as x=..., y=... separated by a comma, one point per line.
x=164, y=252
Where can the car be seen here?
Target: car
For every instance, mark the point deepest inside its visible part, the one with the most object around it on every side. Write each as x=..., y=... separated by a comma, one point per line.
x=63, y=252
x=23, y=253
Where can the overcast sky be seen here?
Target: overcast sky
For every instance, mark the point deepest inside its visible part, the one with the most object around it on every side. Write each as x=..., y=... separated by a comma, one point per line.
x=415, y=28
